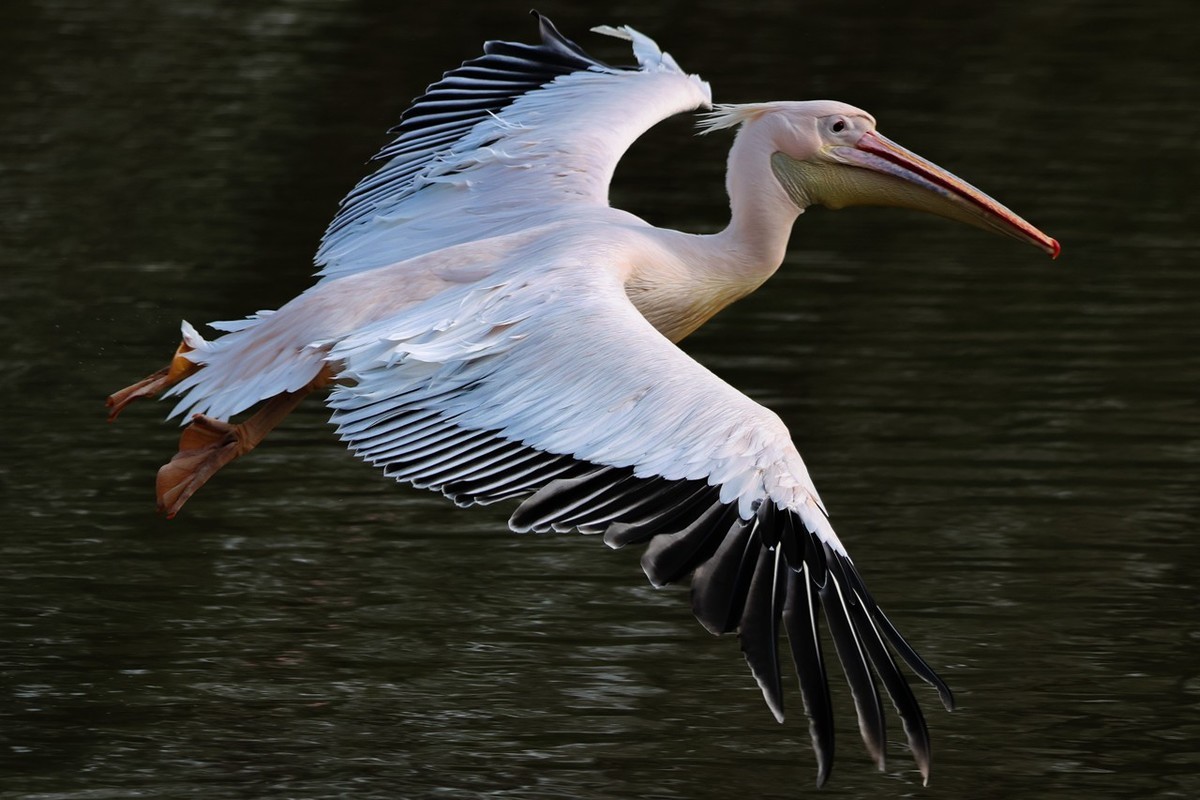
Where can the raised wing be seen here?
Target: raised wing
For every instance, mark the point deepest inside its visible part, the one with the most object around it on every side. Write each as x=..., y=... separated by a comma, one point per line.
x=523, y=134
x=564, y=394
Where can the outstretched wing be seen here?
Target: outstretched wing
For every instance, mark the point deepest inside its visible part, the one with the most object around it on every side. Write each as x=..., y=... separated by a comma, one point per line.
x=524, y=133
x=562, y=393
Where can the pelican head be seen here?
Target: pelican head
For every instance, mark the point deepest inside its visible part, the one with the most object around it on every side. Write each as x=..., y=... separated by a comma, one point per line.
x=829, y=153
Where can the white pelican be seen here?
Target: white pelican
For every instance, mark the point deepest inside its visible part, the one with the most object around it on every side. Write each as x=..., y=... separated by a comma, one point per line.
x=491, y=329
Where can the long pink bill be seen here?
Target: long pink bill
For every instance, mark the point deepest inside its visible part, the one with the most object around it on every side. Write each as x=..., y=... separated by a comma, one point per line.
x=939, y=191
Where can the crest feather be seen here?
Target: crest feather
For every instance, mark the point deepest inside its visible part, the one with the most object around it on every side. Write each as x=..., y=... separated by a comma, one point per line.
x=730, y=115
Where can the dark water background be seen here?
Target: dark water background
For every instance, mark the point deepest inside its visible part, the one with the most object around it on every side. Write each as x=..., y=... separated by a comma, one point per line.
x=1009, y=446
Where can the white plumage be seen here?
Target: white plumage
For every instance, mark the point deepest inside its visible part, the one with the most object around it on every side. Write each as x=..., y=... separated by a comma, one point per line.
x=492, y=329
x=456, y=178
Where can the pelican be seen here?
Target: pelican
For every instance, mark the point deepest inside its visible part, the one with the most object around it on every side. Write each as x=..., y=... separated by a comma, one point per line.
x=490, y=328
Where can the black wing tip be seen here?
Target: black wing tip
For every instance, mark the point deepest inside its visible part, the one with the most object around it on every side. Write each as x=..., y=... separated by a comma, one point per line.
x=946, y=696
x=553, y=38
x=763, y=661
x=759, y=627
x=918, y=665
x=731, y=587
x=823, y=754
x=546, y=27
x=829, y=579
x=738, y=569
x=551, y=35
x=875, y=631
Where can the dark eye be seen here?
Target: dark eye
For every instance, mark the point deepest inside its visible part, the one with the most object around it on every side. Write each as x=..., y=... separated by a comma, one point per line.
x=839, y=126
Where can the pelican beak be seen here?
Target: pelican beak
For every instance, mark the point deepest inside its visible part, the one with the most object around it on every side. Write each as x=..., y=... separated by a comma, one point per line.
x=898, y=177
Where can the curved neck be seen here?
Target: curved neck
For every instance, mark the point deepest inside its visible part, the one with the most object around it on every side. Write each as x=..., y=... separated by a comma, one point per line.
x=699, y=275
x=762, y=214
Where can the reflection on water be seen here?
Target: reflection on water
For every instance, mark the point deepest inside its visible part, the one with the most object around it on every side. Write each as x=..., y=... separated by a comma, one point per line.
x=1008, y=446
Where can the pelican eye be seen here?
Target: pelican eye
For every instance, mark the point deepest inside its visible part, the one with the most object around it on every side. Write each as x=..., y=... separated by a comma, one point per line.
x=839, y=126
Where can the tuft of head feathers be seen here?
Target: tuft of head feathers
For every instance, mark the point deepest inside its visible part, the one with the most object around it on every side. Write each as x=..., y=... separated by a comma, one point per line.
x=730, y=115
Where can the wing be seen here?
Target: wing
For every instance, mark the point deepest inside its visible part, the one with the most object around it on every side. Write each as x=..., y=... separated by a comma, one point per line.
x=562, y=393
x=523, y=134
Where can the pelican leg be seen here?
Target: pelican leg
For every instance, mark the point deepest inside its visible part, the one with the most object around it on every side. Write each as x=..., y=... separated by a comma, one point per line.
x=179, y=368
x=209, y=444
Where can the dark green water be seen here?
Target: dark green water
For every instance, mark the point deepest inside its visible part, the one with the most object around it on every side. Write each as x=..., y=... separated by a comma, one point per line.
x=1009, y=446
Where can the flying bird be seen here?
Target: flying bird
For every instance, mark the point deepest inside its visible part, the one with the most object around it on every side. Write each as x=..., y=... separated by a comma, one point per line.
x=488, y=327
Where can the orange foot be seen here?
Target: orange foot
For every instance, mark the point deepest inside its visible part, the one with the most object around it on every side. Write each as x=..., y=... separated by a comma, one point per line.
x=179, y=368
x=206, y=445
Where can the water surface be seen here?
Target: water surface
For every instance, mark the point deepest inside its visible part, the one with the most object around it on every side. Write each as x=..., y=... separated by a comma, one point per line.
x=1008, y=446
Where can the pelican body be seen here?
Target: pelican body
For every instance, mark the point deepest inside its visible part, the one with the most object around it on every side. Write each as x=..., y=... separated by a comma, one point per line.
x=490, y=328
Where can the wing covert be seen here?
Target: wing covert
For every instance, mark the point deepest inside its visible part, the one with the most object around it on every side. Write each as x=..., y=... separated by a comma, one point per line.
x=522, y=133
x=563, y=394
